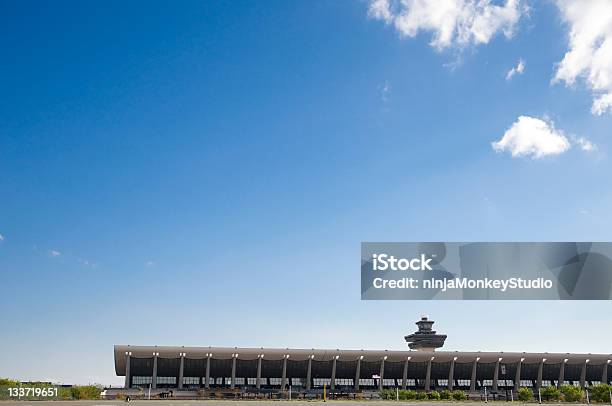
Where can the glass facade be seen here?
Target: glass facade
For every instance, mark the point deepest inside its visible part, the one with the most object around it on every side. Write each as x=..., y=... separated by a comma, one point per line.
x=221, y=370
x=191, y=381
x=343, y=382
x=141, y=381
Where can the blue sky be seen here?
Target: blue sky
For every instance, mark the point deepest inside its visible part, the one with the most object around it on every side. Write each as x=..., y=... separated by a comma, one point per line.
x=148, y=152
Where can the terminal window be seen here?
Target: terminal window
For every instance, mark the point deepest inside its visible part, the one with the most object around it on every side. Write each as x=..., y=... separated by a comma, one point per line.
x=141, y=380
x=191, y=380
x=321, y=381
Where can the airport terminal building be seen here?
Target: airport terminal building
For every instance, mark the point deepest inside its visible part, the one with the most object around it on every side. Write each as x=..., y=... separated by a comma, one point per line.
x=423, y=368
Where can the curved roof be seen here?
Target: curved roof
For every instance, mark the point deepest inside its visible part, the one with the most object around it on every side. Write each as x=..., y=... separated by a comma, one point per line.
x=348, y=355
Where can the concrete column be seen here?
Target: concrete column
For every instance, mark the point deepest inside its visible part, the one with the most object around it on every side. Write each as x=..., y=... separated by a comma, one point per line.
x=405, y=374
x=308, y=374
x=332, y=382
x=181, y=371
x=233, y=384
x=258, y=381
x=154, y=377
x=540, y=370
x=207, y=383
x=604, y=374
x=473, y=378
x=583, y=375
x=284, y=376
x=382, y=373
x=496, y=376
x=517, y=376
x=428, y=375
x=357, y=374
x=561, y=374
x=451, y=375
x=128, y=356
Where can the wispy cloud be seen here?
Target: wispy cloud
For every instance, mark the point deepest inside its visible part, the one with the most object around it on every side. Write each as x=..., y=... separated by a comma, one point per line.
x=150, y=264
x=516, y=70
x=537, y=138
x=585, y=144
x=87, y=263
x=55, y=253
x=452, y=23
x=590, y=49
x=385, y=91
x=1, y=238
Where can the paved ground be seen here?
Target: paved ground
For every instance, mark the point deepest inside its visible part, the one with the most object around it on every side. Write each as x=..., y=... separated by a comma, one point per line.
x=224, y=403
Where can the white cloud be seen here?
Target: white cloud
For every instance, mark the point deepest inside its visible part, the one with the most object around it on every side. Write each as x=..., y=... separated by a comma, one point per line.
x=536, y=138
x=530, y=136
x=518, y=69
x=381, y=10
x=55, y=253
x=602, y=104
x=453, y=23
x=150, y=264
x=590, y=49
x=1, y=238
x=585, y=144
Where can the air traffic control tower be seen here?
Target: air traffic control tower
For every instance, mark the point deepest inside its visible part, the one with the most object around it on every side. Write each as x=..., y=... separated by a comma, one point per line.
x=425, y=339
